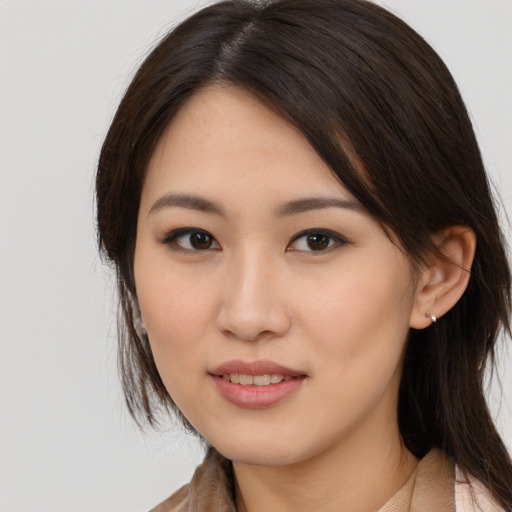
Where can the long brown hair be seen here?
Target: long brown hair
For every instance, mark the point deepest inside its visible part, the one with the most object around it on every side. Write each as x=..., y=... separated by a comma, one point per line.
x=354, y=79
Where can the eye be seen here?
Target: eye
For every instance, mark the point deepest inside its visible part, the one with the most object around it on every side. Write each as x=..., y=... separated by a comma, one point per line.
x=315, y=240
x=190, y=239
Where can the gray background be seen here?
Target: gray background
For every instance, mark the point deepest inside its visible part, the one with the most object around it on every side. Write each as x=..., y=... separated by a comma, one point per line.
x=66, y=443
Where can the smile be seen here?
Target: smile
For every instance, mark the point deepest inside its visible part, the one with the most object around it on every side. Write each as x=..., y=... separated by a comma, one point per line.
x=256, y=384
x=245, y=379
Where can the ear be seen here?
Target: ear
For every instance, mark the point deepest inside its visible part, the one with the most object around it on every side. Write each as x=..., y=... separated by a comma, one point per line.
x=444, y=276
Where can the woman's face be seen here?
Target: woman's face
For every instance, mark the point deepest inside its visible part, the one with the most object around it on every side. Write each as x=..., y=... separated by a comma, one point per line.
x=276, y=307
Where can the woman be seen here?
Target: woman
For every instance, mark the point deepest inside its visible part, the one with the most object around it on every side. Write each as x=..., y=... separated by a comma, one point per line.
x=310, y=267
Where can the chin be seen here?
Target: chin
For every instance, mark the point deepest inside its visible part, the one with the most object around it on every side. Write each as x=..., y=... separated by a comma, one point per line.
x=257, y=451
x=257, y=457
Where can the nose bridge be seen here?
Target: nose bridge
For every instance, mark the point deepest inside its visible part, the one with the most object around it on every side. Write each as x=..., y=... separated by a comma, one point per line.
x=253, y=304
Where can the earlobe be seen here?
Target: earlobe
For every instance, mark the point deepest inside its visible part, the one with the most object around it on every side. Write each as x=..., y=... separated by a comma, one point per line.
x=445, y=275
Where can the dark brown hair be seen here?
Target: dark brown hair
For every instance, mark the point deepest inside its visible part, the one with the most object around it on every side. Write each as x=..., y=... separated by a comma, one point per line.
x=354, y=79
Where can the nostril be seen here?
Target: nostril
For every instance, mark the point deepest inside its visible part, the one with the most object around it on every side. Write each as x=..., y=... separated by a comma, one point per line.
x=246, y=333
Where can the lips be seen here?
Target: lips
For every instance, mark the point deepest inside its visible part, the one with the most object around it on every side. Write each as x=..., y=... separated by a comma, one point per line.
x=256, y=384
x=265, y=379
x=261, y=367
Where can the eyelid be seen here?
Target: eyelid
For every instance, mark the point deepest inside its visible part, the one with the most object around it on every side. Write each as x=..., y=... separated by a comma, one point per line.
x=338, y=239
x=171, y=237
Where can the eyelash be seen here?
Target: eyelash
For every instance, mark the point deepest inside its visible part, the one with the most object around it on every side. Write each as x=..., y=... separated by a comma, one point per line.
x=335, y=240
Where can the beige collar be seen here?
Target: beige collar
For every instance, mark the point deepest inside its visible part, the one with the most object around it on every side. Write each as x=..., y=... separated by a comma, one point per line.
x=429, y=488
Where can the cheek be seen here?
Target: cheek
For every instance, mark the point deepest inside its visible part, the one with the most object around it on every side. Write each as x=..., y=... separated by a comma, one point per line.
x=177, y=311
x=177, y=321
x=172, y=314
x=360, y=318
x=358, y=332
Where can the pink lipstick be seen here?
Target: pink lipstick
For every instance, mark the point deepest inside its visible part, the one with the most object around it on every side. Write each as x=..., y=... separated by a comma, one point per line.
x=256, y=384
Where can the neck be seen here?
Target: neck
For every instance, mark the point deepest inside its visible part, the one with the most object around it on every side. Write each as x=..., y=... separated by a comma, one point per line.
x=359, y=474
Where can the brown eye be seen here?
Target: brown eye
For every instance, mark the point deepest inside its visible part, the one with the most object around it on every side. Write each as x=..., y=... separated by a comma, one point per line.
x=314, y=240
x=191, y=240
x=318, y=241
x=200, y=241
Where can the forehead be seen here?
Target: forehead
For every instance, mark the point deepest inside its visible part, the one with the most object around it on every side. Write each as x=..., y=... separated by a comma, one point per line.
x=223, y=138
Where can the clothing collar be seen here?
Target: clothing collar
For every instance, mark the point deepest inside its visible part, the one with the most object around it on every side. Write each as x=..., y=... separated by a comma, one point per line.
x=430, y=487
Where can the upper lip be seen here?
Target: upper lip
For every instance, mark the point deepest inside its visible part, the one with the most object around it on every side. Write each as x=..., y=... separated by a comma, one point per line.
x=259, y=367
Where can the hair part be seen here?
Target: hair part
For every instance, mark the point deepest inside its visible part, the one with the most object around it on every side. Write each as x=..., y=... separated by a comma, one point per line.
x=359, y=84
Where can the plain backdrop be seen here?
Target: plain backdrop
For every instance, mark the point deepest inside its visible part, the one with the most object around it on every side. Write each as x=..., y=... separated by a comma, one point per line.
x=66, y=441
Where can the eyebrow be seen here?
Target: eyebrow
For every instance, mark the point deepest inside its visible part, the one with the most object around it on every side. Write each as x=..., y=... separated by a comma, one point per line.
x=317, y=203
x=189, y=202
x=289, y=208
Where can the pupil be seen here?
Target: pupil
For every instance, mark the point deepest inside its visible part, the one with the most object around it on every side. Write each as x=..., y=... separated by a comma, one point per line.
x=317, y=241
x=200, y=241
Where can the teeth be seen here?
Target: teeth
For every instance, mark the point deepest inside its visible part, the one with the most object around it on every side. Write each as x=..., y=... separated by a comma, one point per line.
x=262, y=380
x=257, y=380
x=246, y=380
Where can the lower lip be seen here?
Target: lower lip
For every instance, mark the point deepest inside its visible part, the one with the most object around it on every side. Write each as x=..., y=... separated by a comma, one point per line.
x=257, y=397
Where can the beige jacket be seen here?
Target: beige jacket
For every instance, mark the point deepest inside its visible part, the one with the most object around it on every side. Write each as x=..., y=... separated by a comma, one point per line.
x=433, y=487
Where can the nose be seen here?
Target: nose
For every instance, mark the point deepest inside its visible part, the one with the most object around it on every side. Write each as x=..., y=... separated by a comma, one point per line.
x=253, y=302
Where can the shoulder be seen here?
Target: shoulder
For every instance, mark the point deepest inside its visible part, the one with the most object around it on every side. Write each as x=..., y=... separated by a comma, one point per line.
x=472, y=496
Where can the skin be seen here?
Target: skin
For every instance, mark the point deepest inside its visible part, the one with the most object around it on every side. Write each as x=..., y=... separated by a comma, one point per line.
x=339, y=315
